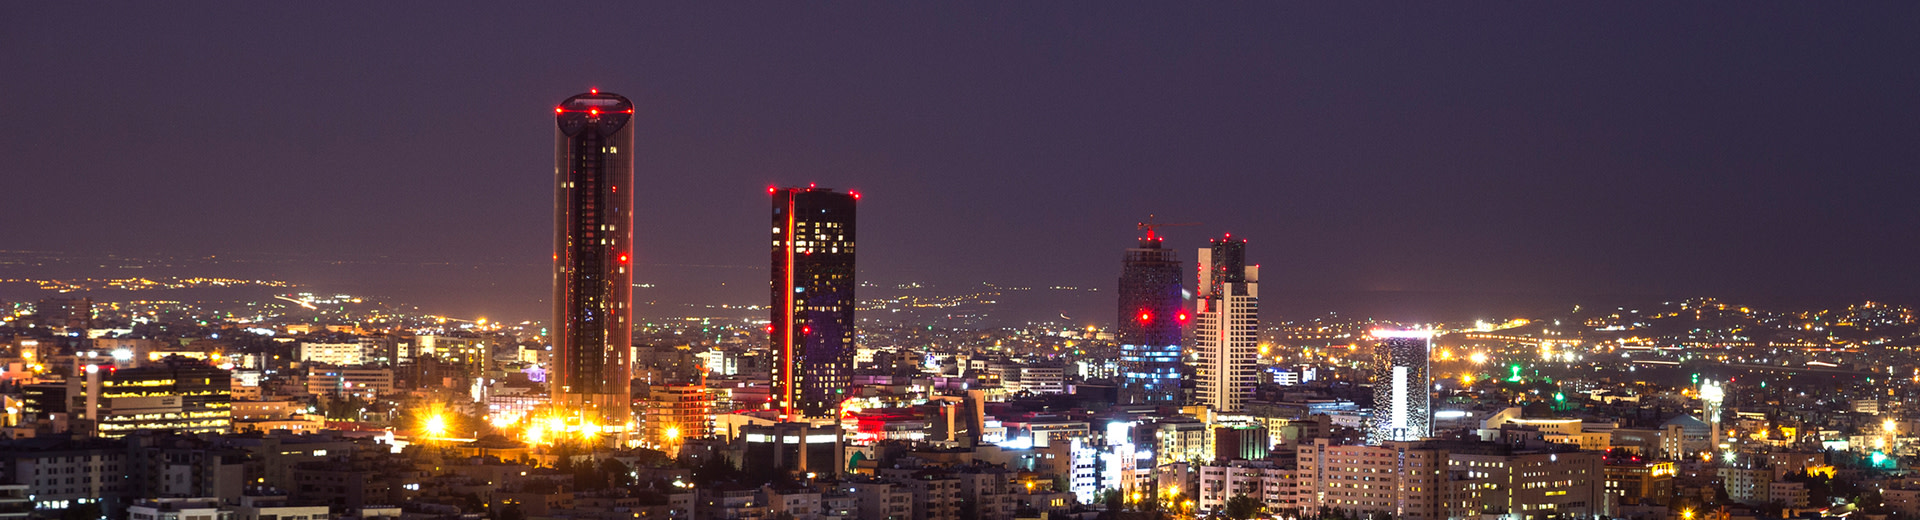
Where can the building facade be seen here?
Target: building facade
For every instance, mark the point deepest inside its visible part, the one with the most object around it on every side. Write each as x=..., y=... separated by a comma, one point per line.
x=1226, y=326
x=593, y=259
x=1151, y=321
x=1402, y=390
x=812, y=327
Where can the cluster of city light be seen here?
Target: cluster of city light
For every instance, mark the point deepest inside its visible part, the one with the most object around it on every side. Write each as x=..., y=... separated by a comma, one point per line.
x=551, y=427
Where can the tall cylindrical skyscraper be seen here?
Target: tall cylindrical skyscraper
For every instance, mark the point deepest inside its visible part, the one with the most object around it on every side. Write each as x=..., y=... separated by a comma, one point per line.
x=592, y=261
x=1402, y=391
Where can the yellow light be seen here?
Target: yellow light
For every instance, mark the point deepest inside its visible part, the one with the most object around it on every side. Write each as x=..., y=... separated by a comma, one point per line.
x=673, y=433
x=1687, y=514
x=1477, y=358
x=1889, y=426
x=436, y=425
x=556, y=424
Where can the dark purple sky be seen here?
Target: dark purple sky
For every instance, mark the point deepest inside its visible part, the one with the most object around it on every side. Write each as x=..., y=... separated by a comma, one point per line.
x=1729, y=149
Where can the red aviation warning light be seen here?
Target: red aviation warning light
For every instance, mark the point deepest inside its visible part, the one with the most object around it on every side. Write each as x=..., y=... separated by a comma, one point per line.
x=593, y=91
x=593, y=111
x=559, y=110
x=623, y=258
x=771, y=189
x=1182, y=317
x=805, y=329
x=855, y=194
x=1146, y=317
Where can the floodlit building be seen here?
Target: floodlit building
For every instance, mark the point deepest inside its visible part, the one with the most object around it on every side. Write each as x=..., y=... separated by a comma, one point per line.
x=1402, y=396
x=1226, y=326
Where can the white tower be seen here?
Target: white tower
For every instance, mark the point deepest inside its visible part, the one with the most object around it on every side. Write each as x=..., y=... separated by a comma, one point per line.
x=1402, y=390
x=1226, y=329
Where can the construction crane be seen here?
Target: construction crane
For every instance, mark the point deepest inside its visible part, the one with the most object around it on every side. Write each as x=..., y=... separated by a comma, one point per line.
x=1150, y=225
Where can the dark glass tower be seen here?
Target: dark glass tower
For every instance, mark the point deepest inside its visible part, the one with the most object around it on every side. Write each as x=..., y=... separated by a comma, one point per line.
x=1152, y=314
x=812, y=329
x=592, y=260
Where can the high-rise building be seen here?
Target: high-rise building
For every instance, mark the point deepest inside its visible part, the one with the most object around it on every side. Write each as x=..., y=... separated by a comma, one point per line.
x=1152, y=316
x=812, y=330
x=1402, y=396
x=1226, y=326
x=592, y=260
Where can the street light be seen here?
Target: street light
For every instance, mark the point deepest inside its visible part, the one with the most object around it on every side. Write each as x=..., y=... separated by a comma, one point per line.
x=436, y=425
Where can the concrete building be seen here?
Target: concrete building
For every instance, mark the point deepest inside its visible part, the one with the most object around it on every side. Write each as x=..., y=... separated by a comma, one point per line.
x=1226, y=326
x=336, y=354
x=341, y=382
x=672, y=413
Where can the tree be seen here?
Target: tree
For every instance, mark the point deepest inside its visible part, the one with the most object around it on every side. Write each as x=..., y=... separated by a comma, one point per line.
x=615, y=472
x=1242, y=507
x=511, y=512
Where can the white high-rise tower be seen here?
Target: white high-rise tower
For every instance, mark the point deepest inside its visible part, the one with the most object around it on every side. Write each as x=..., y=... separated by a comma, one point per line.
x=1226, y=327
x=1402, y=390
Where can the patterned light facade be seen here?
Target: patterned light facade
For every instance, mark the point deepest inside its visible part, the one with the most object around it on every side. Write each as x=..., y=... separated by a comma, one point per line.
x=1226, y=326
x=592, y=260
x=812, y=300
x=1402, y=399
x=1152, y=317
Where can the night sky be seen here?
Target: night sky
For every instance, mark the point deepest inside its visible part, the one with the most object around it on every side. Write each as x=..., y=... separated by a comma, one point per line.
x=1756, y=150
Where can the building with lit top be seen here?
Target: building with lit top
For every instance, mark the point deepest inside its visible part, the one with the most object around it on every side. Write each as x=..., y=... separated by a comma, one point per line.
x=1402, y=397
x=592, y=260
x=1151, y=321
x=1226, y=326
x=812, y=327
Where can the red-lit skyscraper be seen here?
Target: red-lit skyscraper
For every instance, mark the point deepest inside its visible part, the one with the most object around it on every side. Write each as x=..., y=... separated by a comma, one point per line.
x=1152, y=319
x=812, y=329
x=592, y=261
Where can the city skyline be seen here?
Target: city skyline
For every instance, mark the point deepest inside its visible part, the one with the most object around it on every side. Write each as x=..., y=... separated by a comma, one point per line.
x=1610, y=184
x=1539, y=208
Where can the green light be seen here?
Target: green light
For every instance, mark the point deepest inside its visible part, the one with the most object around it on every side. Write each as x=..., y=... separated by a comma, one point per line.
x=1561, y=397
